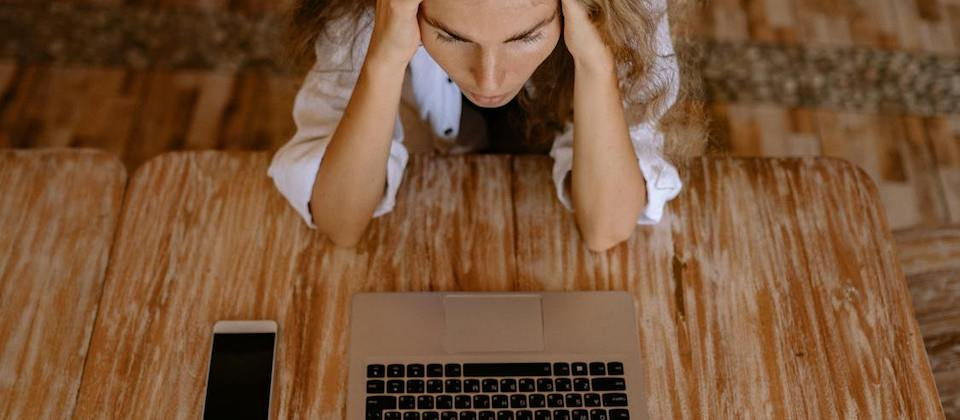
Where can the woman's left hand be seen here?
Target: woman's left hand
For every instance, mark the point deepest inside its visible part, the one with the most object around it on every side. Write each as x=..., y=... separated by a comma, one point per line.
x=582, y=37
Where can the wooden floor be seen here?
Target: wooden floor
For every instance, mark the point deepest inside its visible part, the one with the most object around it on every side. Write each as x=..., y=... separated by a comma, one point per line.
x=913, y=158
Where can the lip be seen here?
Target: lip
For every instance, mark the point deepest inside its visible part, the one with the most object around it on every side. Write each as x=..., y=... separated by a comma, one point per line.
x=487, y=100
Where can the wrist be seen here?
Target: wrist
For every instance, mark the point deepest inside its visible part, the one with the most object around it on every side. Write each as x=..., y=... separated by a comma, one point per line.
x=601, y=64
x=380, y=70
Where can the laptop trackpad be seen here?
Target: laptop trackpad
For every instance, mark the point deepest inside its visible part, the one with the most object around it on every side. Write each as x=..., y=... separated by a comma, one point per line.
x=492, y=324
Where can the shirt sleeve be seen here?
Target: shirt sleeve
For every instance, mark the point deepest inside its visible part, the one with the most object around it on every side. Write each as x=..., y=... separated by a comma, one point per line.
x=317, y=111
x=662, y=179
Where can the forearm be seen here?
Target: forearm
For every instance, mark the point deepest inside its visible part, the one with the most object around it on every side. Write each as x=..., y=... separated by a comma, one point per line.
x=351, y=180
x=607, y=187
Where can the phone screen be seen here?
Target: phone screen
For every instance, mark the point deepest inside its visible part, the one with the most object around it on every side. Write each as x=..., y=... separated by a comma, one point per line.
x=240, y=373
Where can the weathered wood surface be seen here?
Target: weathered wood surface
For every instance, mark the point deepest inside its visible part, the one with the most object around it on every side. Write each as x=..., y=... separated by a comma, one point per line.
x=206, y=237
x=790, y=307
x=931, y=262
x=58, y=213
x=771, y=290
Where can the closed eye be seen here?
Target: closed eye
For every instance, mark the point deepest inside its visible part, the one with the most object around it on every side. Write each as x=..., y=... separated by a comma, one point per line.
x=530, y=39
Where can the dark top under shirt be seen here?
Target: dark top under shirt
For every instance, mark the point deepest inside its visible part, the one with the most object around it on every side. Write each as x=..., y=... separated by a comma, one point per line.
x=505, y=128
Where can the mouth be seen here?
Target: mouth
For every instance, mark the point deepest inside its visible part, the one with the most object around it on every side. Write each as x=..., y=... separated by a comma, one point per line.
x=488, y=100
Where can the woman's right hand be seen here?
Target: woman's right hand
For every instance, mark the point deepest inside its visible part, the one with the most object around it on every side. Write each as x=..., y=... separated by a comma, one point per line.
x=396, y=33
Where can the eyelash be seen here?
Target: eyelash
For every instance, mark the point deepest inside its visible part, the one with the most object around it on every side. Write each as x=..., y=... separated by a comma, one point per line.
x=528, y=40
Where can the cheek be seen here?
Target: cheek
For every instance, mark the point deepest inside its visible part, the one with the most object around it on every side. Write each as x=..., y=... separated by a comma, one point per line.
x=530, y=57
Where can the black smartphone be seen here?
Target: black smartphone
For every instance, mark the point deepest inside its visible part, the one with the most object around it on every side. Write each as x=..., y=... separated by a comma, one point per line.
x=240, y=377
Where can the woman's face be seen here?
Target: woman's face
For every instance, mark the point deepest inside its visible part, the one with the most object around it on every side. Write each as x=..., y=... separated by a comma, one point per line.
x=490, y=48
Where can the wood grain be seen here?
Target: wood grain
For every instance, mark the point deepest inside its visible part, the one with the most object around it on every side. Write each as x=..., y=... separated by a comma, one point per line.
x=206, y=237
x=770, y=290
x=931, y=262
x=822, y=328
x=58, y=212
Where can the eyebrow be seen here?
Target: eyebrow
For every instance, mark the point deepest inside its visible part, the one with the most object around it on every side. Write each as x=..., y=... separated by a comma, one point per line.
x=516, y=37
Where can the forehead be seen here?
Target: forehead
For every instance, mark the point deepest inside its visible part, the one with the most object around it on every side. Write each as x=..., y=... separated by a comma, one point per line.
x=489, y=19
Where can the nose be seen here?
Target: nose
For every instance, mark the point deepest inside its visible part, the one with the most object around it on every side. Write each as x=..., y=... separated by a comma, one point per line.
x=488, y=72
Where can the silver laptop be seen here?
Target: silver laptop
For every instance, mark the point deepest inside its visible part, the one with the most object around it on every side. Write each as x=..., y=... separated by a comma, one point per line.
x=495, y=356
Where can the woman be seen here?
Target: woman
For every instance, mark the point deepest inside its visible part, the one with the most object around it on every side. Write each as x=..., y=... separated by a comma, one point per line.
x=593, y=77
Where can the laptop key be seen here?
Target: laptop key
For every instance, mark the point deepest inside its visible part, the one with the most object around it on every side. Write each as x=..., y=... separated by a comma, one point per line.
x=453, y=386
x=537, y=401
x=462, y=402
x=527, y=385
x=431, y=415
x=471, y=386
x=619, y=414
x=561, y=414
x=506, y=369
x=615, y=368
x=452, y=369
x=415, y=386
x=434, y=370
x=561, y=369
x=501, y=401
x=544, y=385
x=481, y=401
x=505, y=415
x=445, y=402
x=541, y=415
x=487, y=415
x=395, y=386
x=609, y=384
x=580, y=369
x=425, y=402
x=395, y=371
x=435, y=386
x=448, y=415
x=376, y=387
x=563, y=385
x=524, y=415
x=415, y=371
x=598, y=414
x=580, y=415
x=411, y=415
x=408, y=402
x=508, y=385
x=518, y=401
x=581, y=384
x=393, y=415
x=591, y=400
x=491, y=385
x=615, y=400
x=598, y=369
x=377, y=404
x=375, y=371
x=574, y=400
x=468, y=415
x=555, y=400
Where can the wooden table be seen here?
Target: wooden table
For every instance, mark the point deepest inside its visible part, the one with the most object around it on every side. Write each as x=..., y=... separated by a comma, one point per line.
x=770, y=290
x=58, y=213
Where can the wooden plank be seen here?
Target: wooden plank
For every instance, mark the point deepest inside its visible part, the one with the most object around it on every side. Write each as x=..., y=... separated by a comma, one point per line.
x=931, y=262
x=771, y=131
x=791, y=307
x=944, y=134
x=896, y=154
x=58, y=212
x=205, y=236
x=259, y=112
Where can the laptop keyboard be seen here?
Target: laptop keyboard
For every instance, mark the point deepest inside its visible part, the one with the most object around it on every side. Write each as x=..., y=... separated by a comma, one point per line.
x=497, y=391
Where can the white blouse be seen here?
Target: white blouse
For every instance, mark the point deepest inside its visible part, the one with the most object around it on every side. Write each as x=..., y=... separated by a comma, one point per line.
x=433, y=102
